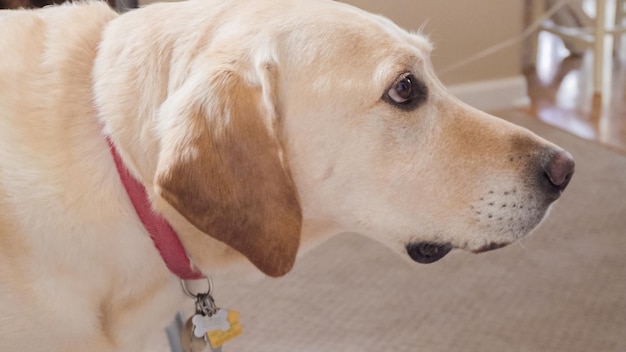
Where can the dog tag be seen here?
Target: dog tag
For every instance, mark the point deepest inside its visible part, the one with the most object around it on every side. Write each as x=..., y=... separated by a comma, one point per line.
x=191, y=343
x=202, y=324
x=225, y=318
x=210, y=327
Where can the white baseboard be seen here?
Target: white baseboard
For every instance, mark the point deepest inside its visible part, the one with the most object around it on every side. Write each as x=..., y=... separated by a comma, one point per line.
x=494, y=94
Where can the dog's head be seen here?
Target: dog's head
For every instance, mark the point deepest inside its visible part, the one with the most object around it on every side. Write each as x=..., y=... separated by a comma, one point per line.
x=258, y=120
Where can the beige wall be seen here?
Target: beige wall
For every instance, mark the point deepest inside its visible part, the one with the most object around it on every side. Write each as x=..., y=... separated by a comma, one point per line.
x=459, y=28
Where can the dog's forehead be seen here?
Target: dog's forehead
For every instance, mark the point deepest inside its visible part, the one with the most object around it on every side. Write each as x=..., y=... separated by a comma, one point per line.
x=351, y=39
x=395, y=49
x=346, y=22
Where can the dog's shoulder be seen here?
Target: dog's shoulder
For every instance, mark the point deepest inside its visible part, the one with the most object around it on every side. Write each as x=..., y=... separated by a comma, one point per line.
x=46, y=24
x=47, y=64
x=49, y=56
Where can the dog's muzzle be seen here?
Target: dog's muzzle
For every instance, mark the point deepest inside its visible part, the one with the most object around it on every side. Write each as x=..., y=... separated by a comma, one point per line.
x=428, y=252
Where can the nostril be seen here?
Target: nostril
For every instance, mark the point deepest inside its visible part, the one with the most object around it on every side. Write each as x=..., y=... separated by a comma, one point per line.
x=559, y=169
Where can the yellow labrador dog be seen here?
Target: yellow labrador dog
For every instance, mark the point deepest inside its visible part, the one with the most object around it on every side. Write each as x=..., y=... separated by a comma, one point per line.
x=184, y=139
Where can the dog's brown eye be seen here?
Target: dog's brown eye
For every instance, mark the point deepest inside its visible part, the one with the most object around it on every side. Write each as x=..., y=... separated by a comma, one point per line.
x=402, y=90
x=407, y=92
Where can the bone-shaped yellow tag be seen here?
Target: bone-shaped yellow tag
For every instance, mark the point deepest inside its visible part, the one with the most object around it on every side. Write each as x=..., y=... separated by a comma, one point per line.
x=218, y=337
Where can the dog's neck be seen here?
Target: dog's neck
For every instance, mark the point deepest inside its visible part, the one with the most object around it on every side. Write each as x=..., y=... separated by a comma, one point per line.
x=161, y=232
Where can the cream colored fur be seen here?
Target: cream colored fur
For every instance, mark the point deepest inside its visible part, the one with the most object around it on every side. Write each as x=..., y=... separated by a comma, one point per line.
x=78, y=271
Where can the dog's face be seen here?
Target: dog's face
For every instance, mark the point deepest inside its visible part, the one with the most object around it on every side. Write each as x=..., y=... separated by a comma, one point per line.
x=384, y=150
x=316, y=115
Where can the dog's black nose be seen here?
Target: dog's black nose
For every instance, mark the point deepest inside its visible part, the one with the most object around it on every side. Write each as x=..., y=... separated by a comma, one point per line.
x=559, y=170
x=427, y=252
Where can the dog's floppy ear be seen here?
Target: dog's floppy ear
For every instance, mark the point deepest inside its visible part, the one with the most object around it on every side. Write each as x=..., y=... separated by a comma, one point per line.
x=221, y=166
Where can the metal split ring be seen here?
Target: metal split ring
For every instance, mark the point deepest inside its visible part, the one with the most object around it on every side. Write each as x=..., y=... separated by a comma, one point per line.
x=196, y=295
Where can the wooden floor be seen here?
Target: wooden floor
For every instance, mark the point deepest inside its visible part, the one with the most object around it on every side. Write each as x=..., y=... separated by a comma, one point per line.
x=561, y=94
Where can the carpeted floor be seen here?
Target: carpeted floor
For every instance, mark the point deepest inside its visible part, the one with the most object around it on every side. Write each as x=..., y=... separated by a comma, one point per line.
x=562, y=289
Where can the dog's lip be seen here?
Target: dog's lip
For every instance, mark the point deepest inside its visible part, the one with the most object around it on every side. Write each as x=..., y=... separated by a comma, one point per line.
x=490, y=247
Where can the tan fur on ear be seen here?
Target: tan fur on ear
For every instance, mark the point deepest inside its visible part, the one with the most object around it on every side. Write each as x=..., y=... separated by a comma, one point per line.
x=223, y=171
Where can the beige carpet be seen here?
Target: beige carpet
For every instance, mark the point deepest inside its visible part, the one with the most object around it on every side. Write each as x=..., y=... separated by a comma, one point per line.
x=563, y=289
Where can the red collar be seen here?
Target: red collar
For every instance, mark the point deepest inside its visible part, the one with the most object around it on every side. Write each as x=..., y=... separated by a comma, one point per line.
x=161, y=232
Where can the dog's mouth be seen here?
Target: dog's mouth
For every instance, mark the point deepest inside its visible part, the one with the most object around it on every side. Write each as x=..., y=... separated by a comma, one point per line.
x=430, y=252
